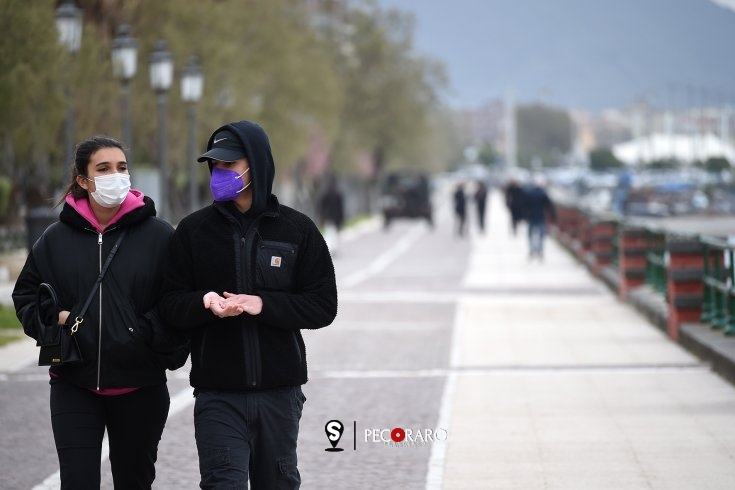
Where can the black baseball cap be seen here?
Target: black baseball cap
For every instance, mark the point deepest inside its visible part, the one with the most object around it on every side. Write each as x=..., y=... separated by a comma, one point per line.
x=226, y=147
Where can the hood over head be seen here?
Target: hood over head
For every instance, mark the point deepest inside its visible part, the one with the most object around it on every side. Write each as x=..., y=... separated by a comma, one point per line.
x=245, y=139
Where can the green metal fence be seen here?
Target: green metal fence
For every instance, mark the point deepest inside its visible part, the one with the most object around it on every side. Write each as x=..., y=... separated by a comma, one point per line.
x=615, y=260
x=718, y=306
x=656, y=260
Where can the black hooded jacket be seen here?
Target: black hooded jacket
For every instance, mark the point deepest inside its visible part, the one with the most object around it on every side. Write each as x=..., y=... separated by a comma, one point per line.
x=120, y=327
x=281, y=257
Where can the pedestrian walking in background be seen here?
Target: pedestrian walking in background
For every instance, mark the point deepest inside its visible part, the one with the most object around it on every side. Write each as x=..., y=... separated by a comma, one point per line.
x=538, y=210
x=622, y=191
x=514, y=203
x=120, y=386
x=246, y=275
x=331, y=212
x=460, y=208
x=481, y=204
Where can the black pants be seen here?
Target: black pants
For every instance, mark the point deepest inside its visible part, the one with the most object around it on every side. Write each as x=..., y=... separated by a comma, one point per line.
x=134, y=424
x=241, y=435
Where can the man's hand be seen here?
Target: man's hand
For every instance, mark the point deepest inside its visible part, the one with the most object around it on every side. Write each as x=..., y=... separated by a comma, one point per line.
x=218, y=305
x=247, y=303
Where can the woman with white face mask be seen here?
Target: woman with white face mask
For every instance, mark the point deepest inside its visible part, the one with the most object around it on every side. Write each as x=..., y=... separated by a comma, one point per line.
x=120, y=385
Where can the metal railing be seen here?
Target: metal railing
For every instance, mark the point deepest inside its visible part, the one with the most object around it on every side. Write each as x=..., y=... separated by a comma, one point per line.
x=615, y=260
x=656, y=260
x=718, y=303
x=715, y=296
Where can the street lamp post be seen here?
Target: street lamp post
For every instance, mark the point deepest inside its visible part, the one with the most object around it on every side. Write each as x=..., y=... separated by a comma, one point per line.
x=124, y=66
x=69, y=25
x=161, y=71
x=192, y=82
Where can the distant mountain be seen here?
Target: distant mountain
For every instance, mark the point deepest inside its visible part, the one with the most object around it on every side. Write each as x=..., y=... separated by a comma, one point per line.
x=588, y=54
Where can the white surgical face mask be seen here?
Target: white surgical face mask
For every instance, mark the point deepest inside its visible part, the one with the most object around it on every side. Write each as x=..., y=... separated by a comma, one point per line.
x=111, y=189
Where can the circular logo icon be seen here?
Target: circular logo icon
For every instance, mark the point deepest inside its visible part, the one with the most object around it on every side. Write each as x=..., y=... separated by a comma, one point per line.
x=398, y=434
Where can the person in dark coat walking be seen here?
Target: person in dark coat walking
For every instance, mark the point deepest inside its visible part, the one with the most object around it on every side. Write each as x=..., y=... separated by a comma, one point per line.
x=247, y=274
x=332, y=213
x=119, y=387
x=538, y=210
x=481, y=204
x=460, y=208
x=514, y=203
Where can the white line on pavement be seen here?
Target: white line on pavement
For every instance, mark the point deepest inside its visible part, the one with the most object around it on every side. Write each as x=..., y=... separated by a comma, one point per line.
x=513, y=369
x=435, y=474
x=383, y=260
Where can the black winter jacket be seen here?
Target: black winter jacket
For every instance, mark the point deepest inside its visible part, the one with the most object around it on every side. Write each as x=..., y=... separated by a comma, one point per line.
x=282, y=257
x=121, y=328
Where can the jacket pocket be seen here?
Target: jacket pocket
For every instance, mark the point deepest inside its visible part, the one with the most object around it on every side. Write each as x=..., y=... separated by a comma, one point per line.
x=275, y=265
x=125, y=342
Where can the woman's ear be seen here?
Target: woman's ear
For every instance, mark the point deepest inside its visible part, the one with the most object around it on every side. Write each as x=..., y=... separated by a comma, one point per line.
x=82, y=182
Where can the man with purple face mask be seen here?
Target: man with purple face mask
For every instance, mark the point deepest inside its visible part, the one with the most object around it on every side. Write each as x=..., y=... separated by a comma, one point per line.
x=246, y=275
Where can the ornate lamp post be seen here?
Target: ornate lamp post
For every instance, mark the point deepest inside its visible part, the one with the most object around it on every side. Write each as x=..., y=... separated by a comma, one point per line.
x=192, y=82
x=69, y=25
x=124, y=66
x=162, y=71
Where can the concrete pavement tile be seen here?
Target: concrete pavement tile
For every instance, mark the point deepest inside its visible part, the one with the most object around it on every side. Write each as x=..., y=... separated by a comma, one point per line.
x=548, y=334
x=696, y=468
x=18, y=354
x=592, y=430
x=561, y=386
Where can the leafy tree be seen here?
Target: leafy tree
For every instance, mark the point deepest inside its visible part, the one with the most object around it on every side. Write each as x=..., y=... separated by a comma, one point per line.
x=602, y=159
x=31, y=98
x=543, y=132
x=488, y=155
x=5, y=188
x=716, y=164
x=356, y=85
x=665, y=164
x=390, y=94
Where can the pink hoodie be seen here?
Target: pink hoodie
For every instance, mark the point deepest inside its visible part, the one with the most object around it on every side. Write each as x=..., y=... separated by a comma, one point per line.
x=134, y=200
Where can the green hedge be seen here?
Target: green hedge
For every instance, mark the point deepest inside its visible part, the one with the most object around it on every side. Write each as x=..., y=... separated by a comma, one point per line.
x=8, y=318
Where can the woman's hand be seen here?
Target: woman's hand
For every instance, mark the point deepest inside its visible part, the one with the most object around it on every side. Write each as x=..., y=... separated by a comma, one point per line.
x=63, y=315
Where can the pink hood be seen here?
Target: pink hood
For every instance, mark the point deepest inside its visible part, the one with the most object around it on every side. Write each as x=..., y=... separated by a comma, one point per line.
x=134, y=200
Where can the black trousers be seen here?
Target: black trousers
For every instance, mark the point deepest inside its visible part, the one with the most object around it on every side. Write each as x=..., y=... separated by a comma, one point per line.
x=253, y=435
x=134, y=424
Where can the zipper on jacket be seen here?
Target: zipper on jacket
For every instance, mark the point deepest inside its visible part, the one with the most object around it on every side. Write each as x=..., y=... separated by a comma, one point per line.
x=99, y=325
x=249, y=334
x=283, y=247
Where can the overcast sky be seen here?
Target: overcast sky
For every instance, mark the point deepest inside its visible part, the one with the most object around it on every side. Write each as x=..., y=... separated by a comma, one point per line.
x=726, y=3
x=487, y=56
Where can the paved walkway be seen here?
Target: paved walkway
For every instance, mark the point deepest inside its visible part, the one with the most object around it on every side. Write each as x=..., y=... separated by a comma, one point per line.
x=554, y=384
x=557, y=385
x=23, y=352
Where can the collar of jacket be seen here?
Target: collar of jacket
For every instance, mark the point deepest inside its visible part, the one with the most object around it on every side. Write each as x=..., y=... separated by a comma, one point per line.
x=272, y=209
x=71, y=217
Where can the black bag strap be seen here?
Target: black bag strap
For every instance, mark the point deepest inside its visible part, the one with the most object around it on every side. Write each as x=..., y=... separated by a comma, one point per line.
x=46, y=289
x=80, y=316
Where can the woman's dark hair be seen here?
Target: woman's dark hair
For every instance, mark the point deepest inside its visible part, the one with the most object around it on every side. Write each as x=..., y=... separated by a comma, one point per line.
x=82, y=155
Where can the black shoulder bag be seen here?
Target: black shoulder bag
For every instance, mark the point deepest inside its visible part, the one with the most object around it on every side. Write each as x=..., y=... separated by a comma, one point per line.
x=58, y=342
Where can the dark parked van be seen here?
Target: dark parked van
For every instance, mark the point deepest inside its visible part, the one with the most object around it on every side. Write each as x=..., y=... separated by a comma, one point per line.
x=406, y=194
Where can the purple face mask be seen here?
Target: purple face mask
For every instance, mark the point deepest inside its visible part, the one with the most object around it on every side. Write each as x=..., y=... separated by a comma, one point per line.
x=226, y=184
